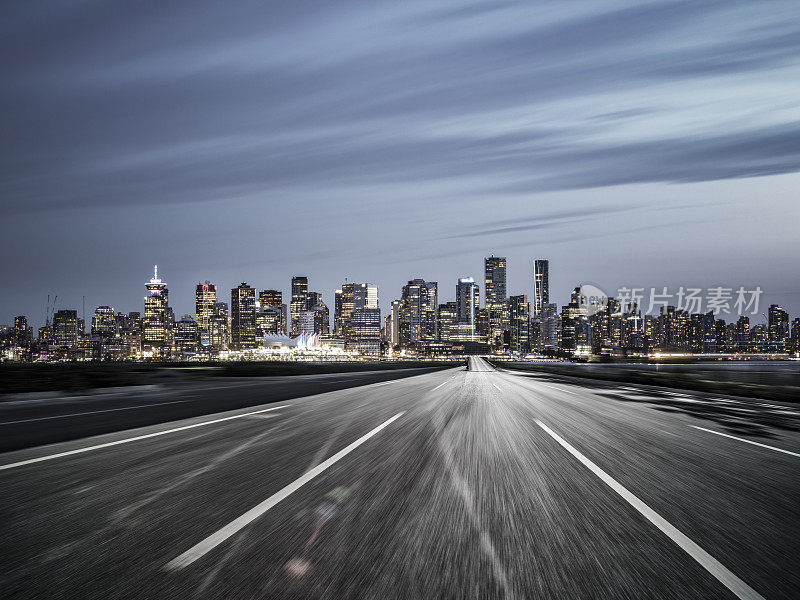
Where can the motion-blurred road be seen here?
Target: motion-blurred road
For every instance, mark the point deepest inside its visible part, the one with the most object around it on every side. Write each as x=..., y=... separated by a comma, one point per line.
x=462, y=483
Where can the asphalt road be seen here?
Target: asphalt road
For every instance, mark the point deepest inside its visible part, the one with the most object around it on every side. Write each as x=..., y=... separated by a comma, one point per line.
x=48, y=420
x=454, y=484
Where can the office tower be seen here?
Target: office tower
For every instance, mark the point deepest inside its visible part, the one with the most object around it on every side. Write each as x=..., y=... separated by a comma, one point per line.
x=447, y=322
x=268, y=321
x=156, y=316
x=778, y=328
x=468, y=305
x=742, y=334
x=392, y=329
x=271, y=316
x=65, y=330
x=520, y=321
x=186, y=335
x=541, y=285
x=23, y=335
x=321, y=313
x=365, y=331
x=497, y=307
x=243, y=317
x=205, y=297
x=351, y=297
x=104, y=322
x=343, y=308
x=360, y=318
x=219, y=332
x=418, y=312
x=298, y=303
x=495, y=279
x=549, y=326
x=794, y=339
x=575, y=332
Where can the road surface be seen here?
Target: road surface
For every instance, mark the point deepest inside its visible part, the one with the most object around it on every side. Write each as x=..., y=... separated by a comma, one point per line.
x=462, y=483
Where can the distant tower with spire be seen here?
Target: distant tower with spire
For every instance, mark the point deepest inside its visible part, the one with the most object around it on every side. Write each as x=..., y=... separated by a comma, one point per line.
x=156, y=312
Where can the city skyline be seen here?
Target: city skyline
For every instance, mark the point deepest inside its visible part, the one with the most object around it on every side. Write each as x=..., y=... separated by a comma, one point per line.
x=631, y=322
x=182, y=301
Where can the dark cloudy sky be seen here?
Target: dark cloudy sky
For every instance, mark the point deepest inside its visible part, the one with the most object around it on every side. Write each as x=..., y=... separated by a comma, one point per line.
x=631, y=143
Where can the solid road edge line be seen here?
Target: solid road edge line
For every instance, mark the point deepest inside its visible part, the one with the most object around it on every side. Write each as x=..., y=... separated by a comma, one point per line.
x=133, y=439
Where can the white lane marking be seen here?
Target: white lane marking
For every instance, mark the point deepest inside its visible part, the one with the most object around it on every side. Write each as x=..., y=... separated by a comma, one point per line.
x=496, y=387
x=134, y=439
x=559, y=389
x=215, y=539
x=438, y=386
x=92, y=412
x=733, y=437
x=708, y=562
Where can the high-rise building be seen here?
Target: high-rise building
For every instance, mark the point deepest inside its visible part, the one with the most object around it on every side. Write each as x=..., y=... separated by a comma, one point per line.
x=495, y=279
x=322, y=316
x=272, y=312
x=356, y=321
x=23, y=335
x=243, y=317
x=365, y=331
x=104, y=322
x=520, y=322
x=220, y=332
x=344, y=300
x=468, y=305
x=575, y=330
x=186, y=335
x=549, y=326
x=392, y=327
x=794, y=339
x=65, y=330
x=156, y=323
x=497, y=307
x=541, y=285
x=205, y=297
x=778, y=328
x=447, y=325
x=418, y=312
x=299, y=303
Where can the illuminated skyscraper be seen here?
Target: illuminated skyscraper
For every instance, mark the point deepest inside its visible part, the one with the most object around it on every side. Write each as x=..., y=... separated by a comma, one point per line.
x=418, y=312
x=23, y=335
x=447, y=322
x=495, y=279
x=497, y=309
x=205, y=297
x=520, y=322
x=243, y=317
x=298, y=303
x=392, y=327
x=362, y=327
x=273, y=311
x=343, y=307
x=65, y=330
x=778, y=329
x=104, y=322
x=220, y=333
x=155, y=327
x=186, y=338
x=468, y=304
x=541, y=285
